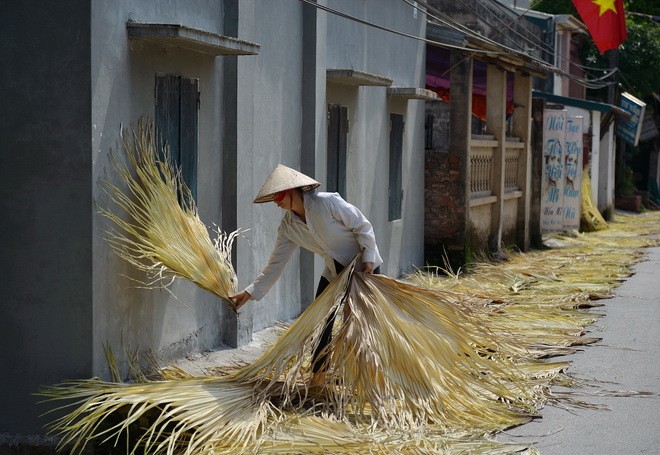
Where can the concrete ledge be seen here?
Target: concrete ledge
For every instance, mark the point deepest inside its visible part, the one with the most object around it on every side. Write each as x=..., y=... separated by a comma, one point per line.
x=483, y=143
x=512, y=195
x=357, y=78
x=190, y=38
x=413, y=93
x=482, y=200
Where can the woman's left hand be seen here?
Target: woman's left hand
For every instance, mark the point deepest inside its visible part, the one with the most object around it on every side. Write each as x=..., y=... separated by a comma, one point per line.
x=368, y=268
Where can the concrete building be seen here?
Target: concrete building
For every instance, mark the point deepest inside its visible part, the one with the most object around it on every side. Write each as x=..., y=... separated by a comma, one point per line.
x=478, y=155
x=257, y=83
x=490, y=63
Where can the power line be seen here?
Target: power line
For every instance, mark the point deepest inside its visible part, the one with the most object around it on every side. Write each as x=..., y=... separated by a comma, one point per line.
x=445, y=19
x=454, y=25
x=589, y=83
x=396, y=32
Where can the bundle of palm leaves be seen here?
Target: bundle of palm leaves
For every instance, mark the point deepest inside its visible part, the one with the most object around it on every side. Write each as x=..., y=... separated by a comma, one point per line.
x=590, y=217
x=158, y=229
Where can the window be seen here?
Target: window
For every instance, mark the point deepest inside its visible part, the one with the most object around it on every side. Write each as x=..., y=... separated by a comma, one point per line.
x=396, y=152
x=337, y=146
x=177, y=104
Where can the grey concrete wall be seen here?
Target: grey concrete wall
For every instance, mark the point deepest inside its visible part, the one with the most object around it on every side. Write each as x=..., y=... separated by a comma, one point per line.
x=357, y=46
x=276, y=125
x=269, y=125
x=46, y=228
x=123, y=77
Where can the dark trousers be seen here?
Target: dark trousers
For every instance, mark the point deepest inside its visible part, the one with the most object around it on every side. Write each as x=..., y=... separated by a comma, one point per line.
x=319, y=359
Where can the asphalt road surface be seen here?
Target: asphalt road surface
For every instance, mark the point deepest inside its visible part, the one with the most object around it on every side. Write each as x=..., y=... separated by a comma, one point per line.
x=626, y=360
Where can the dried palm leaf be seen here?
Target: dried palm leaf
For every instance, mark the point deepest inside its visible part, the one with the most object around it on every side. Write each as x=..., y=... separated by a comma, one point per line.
x=404, y=356
x=590, y=217
x=160, y=232
x=404, y=362
x=162, y=417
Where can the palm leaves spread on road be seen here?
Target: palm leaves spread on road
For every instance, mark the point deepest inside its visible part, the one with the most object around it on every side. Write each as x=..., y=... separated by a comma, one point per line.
x=434, y=364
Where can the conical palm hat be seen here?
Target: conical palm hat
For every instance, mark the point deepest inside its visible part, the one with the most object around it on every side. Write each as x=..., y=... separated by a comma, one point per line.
x=284, y=178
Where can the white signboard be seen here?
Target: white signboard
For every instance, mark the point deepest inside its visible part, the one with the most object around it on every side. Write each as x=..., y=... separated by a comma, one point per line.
x=631, y=130
x=552, y=182
x=572, y=173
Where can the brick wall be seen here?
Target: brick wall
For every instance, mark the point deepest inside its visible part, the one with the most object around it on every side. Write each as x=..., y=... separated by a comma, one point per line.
x=445, y=208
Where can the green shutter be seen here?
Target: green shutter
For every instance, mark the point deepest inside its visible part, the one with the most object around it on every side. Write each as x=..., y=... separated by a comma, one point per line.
x=167, y=114
x=395, y=174
x=188, y=132
x=177, y=123
x=337, y=148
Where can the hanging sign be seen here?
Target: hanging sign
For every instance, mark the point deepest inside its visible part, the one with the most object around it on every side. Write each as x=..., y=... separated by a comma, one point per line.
x=552, y=182
x=572, y=173
x=630, y=130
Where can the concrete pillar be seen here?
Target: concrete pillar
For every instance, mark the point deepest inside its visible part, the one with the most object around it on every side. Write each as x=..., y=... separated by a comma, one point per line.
x=460, y=121
x=606, y=174
x=496, y=124
x=595, y=153
x=313, y=106
x=558, y=80
x=522, y=128
x=237, y=328
x=536, y=140
x=654, y=167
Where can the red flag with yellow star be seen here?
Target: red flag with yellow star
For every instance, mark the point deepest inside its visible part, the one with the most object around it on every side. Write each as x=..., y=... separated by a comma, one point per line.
x=605, y=20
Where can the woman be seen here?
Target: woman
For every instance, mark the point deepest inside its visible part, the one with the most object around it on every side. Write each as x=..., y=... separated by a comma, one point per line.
x=323, y=223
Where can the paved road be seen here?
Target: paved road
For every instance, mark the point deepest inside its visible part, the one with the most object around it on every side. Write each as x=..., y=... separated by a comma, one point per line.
x=627, y=359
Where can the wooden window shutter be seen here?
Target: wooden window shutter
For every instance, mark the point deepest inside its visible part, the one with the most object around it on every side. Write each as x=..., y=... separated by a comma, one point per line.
x=188, y=132
x=167, y=114
x=396, y=172
x=337, y=148
x=177, y=123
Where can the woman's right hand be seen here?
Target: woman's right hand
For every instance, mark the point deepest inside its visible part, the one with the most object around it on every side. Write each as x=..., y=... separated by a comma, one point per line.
x=240, y=299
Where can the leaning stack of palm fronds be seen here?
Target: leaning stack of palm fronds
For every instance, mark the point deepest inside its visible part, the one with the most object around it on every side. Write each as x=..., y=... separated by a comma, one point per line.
x=160, y=231
x=590, y=217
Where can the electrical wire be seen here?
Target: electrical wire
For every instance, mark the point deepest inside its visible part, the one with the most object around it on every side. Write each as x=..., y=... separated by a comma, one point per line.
x=448, y=21
x=548, y=48
x=538, y=40
x=459, y=27
x=589, y=83
x=396, y=32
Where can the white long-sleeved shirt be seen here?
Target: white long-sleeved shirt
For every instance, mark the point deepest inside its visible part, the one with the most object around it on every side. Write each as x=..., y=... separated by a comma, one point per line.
x=334, y=229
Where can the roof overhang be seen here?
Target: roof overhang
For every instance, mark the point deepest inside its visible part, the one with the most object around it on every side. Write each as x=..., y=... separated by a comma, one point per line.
x=582, y=104
x=571, y=23
x=190, y=38
x=412, y=93
x=357, y=78
x=489, y=51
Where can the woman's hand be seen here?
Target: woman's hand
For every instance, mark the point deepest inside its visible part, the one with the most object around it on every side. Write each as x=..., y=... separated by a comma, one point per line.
x=240, y=299
x=368, y=268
